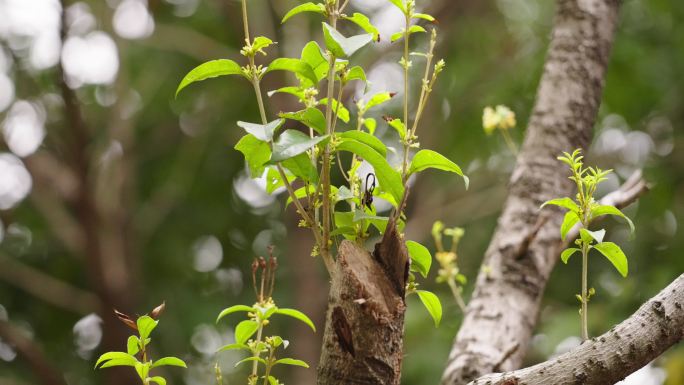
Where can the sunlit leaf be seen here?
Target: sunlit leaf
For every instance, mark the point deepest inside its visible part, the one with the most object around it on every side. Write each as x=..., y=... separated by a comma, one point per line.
x=306, y=7
x=233, y=347
x=368, y=139
x=302, y=167
x=244, y=330
x=313, y=56
x=251, y=359
x=296, y=66
x=169, y=361
x=117, y=359
x=210, y=69
x=234, y=309
x=424, y=16
x=421, y=259
x=342, y=111
x=145, y=326
x=432, y=304
x=296, y=314
x=399, y=127
x=262, y=131
x=292, y=361
x=587, y=236
x=133, y=345
x=292, y=143
x=399, y=4
x=158, y=379
x=615, y=255
x=425, y=159
x=569, y=221
x=364, y=22
x=257, y=153
x=342, y=46
x=567, y=253
x=562, y=202
x=600, y=210
x=310, y=117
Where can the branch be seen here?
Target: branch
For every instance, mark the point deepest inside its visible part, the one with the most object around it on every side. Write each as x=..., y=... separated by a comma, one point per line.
x=605, y=360
x=33, y=354
x=524, y=249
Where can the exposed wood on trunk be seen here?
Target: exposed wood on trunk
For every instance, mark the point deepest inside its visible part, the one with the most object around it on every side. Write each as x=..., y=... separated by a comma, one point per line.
x=503, y=310
x=607, y=359
x=363, y=340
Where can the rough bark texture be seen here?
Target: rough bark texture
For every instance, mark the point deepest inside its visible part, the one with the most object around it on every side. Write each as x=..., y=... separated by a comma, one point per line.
x=607, y=359
x=363, y=340
x=503, y=310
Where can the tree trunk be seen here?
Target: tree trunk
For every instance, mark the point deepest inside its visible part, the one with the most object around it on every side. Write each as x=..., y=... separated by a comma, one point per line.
x=363, y=340
x=502, y=313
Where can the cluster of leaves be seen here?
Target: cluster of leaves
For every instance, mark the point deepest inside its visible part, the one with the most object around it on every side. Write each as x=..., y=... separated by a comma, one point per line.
x=582, y=211
x=449, y=271
x=137, y=352
x=300, y=160
x=249, y=334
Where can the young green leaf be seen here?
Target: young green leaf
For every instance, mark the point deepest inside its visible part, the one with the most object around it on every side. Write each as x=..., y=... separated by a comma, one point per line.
x=364, y=22
x=425, y=159
x=292, y=361
x=296, y=66
x=260, y=43
x=356, y=73
x=158, y=379
x=424, y=16
x=244, y=330
x=399, y=127
x=432, y=304
x=367, y=139
x=133, y=345
x=169, y=361
x=313, y=56
x=116, y=359
x=377, y=99
x=210, y=69
x=234, y=309
x=292, y=143
x=399, y=4
x=421, y=260
x=310, y=117
x=251, y=359
x=600, y=210
x=342, y=46
x=562, y=202
x=257, y=153
x=233, y=347
x=306, y=7
x=145, y=326
x=342, y=111
x=390, y=180
x=588, y=236
x=262, y=131
x=569, y=221
x=302, y=168
x=296, y=91
x=413, y=29
x=615, y=255
x=297, y=315
x=567, y=253
x=371, y=124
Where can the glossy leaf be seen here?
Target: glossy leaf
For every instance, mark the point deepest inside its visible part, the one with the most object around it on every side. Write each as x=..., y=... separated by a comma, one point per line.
x=424, y=16
x=600, y=210
x=425, y=159
x=257, y=153
x=296, y=66
x=244, y=330
x=169, y=361
x=306, y=7
x=342, y=46
x=262, y=131
x=210, y=69
x=432, y=304
x=421, y=259
x=413, y=29
x=118, y=358
x=399, y=127
x=567, y=253
x=615, y=255
x=569, y=221
x=310, y=117
x=158, y=379
x=364, y=22
x=357, y=73
x=367, y=139
x=233, y=347
x=378, y=99
x=399, y=4
x=145, y=326
x=260, y=43
x=234, y=309
x=588, y=236
x=302, y=167
x=292, y=361
x=562, y=202
x=251, y=359
x=313, y=56
x=133, y=345
x=292, y=143
x=296, y=314
x=390, y=180
x=342, y=111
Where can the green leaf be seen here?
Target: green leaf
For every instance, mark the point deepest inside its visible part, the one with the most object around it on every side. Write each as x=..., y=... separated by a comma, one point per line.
x=587, y=236
x=424, y=16
x=367, y=139
x=390, y=179
x=562, y=202
x=306, y=7
x=296, y=66
x=292, y=143
x=260, y=43
x=145, y=326
x=398, y=126
x=310, y=117
x=432, y=304
x=342, y=111
x=425, y=159
x=210, y=69
x=421, y=260
x=569, y=221
x=296, y=91
x=297, y=315
x=234, y=309
x=292, y=361
x=371, y=124
x=600, y=210
x=273, y=180
x=356, y=73
x=158, y=379
x=615, y=255
x=312, y=55
x=133, y=345
x=257, y=153
x=244, y=330
x=250, y=359
x=364, y=22
x=116, y=359
x=262, y=131
x=233, y=347
x=378, y=99
x=567, y=253
x=143, y=369
x=302, y=167
x=413, y=29
x=399, y=4
x=342, y=46
x=169, y=361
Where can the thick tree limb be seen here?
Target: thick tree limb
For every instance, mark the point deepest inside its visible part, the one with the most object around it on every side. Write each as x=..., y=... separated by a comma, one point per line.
x=605, y=360
x=503, y=311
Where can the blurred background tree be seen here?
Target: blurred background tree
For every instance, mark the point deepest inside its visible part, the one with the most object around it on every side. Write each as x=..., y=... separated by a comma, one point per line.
x=113, y=194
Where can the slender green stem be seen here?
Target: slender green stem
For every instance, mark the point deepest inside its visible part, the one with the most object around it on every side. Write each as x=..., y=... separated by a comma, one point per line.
x=257, y=353
x=245, y=20
x=269, y=366
x=407, y=140
x=509, y=142
x=585, y=300
x=456, y=291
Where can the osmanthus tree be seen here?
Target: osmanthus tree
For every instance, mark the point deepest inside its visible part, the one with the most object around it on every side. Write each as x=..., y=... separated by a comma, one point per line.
x=363, y=338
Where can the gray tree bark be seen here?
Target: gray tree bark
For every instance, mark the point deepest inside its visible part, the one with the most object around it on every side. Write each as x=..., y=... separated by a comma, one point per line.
x=502, y=313
x=607, y=359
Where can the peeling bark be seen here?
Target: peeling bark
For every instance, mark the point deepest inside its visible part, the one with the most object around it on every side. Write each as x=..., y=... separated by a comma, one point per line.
x=502, y=313
x=607, y=359
x=363, y=340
